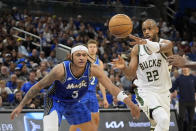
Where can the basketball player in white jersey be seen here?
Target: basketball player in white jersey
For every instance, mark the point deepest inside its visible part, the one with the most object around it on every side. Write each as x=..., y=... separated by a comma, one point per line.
x=148, y=63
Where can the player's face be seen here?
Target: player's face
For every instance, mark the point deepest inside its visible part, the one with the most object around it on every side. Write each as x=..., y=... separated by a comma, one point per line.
x=92, y=49
x=80, y=58
x=150, y=30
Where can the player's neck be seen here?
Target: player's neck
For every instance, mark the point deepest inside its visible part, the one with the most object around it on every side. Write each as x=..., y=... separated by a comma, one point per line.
x=156, y=39
x=93, y=57
x=77, y=71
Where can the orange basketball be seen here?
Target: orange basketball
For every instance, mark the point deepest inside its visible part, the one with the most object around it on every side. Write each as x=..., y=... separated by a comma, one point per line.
x=120, y=25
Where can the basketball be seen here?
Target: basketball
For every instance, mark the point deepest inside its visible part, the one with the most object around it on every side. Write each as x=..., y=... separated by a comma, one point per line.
x=120, y=25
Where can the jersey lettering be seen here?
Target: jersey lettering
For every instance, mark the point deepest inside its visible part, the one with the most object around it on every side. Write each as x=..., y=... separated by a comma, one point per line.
x=151, y=63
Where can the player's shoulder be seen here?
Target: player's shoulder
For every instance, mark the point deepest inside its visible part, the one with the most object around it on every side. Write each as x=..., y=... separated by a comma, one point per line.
x=100, y=61
x=59, y=68
x=164, y=41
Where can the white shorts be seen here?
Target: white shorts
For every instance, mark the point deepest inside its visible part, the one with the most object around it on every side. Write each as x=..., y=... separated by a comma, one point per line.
x=149, y=100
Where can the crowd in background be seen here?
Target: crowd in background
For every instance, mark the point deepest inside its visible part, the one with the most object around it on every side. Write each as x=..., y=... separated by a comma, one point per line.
x=23, y=64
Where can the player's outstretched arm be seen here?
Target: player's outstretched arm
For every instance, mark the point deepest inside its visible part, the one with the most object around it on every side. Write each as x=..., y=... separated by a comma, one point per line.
x=164, y=47
x=102, y=88
x=130, y=71
x=180, y=61
x=55, y=74
x=115, y=91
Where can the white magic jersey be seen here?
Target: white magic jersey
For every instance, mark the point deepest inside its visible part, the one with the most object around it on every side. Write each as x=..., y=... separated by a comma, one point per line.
x=153, y=71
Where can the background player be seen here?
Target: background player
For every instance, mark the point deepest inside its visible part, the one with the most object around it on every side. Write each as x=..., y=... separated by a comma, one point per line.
x=148, y=62
x=71, y=79
x=90, y=98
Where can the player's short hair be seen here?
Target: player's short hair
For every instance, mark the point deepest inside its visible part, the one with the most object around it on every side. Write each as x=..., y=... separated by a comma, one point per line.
x=91, y=41
x=78, y=45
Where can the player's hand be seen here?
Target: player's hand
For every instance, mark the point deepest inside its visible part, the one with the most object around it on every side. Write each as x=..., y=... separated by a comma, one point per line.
x=137, y=40
x=135, y=111
x=105, y=104
x=119, y=63
x=16, y=112
x=177, y=60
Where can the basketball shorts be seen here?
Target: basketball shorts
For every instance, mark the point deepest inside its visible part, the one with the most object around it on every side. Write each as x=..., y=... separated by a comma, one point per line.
x=90, y=100
x=75, y=113
x=148, y=101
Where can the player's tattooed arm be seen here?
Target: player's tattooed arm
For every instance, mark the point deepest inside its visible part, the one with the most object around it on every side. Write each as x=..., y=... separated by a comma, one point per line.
x=55, y=74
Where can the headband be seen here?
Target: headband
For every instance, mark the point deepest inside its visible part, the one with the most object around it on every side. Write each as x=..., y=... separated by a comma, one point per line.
x=79, y=47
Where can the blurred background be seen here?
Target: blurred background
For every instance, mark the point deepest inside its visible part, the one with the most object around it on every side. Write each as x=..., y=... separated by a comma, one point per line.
x=35, y=35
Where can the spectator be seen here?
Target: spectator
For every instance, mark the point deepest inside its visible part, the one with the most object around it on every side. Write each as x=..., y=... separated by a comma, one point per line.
x=4, y=88
x=12, y=67
x=19, y=85
x=34, y=57
x=17, y=98
x=21, y=48
x=42, y=71
x=24, y=73
x=52, y=58
x=4, y=74
x=18, y=70
x=42, y=56
x=186, y=83
x=7, y=59
x=25, y=88
x=12, y=84
x=5, y=99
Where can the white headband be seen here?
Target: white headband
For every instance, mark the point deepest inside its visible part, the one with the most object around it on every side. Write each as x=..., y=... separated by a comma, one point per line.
x=79, y=47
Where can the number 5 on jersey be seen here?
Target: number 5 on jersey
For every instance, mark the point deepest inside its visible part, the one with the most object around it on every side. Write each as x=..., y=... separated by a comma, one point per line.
x=75, y=94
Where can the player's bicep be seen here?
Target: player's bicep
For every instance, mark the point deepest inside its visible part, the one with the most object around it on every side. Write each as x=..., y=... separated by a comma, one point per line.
x=101, y=65
x=166, y=47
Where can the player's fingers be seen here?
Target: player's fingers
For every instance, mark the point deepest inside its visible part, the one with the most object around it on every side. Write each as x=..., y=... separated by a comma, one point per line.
x=171, y=57
x=12, y=115
x=173, y=63
x=120, y=58
x=105, y=105
x=114, y=63
x=133, y=37
x=133, y=43
x=170, y=60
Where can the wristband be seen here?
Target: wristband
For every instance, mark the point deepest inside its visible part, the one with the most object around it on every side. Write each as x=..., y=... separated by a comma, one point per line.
x=152, y=46
x=121, y=96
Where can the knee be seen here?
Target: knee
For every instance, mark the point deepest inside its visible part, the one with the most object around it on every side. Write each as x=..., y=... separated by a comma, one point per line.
x=164, y=122
x=161, y=118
